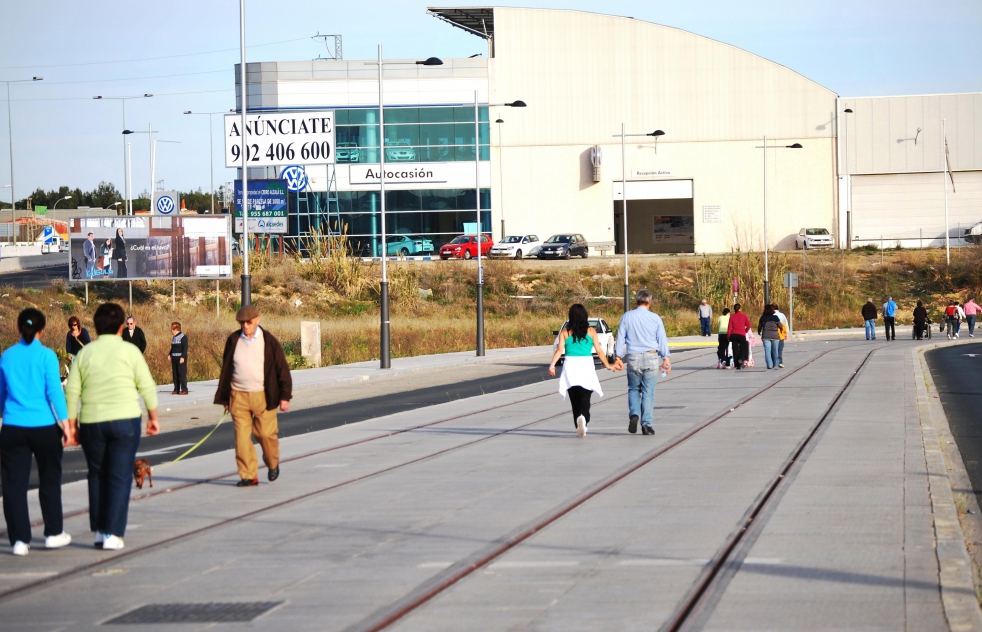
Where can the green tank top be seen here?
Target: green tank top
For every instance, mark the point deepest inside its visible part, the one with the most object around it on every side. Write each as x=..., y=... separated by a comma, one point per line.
x=582, y=347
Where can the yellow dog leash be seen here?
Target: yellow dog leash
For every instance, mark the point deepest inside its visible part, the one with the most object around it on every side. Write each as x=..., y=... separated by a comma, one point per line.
x=196, y=445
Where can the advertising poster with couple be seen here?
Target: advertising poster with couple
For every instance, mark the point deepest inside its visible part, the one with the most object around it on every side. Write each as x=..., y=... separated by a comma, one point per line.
x=150, y=247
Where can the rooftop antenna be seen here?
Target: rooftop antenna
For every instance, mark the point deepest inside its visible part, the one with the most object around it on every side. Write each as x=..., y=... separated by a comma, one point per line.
x=336, y=53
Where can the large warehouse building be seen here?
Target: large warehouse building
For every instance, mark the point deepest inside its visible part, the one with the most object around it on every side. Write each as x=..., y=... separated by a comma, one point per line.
x=556, y=165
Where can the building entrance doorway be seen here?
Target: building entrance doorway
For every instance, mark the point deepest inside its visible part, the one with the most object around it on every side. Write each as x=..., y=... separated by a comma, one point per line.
x=660, y=217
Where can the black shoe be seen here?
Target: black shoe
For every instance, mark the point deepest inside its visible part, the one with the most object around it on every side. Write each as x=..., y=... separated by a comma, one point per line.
x=647, y=430
x=273, y=474
x=632, y=426
x=247, y=482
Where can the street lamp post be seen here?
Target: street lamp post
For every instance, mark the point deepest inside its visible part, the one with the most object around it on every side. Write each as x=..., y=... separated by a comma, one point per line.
x=624, y=135
x=480, y=232
x=385, y=343
x=211, y=153
x=501, y=178
x=67, y=197
x=10, y=147
x=127, y=185
x=767, y=278
x=848, y=186
x=246, y=277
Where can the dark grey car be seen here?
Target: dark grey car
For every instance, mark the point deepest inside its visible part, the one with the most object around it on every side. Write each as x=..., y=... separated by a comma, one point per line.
x=564, y=246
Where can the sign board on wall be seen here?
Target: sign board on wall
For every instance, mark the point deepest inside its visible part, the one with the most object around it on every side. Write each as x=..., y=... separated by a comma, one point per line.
x=417, y=173
x=287, y=138
x=712, y=214
x=165, y=203
x=154, y=247
x=270, y=222
x=651, y=173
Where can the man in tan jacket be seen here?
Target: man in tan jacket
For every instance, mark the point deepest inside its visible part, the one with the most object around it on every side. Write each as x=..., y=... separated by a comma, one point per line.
x=254, y=382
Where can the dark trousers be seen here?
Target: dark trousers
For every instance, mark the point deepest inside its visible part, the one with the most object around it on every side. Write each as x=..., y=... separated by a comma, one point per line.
x=721, y=349
x=704, y=326
x=919, y=327
x=121, y=269
x=740, y=349
x=889, y=327
x=180, y=371
x=579, y=399
x=17, y=445
x=110, y=450
x=971, y=325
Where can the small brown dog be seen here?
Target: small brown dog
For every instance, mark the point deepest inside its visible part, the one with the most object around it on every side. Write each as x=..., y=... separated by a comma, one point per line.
x=141, y=471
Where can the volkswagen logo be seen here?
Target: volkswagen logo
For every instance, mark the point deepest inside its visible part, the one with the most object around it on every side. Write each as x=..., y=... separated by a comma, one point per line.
x=165, y=205
x=296, y=178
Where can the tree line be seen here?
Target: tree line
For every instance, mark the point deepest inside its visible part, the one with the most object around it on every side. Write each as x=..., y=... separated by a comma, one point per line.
x=106, y=194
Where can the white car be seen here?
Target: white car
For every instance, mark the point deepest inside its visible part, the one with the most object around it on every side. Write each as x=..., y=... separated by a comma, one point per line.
x=809, y=238
x=973, y=235
x=516, y=247
x=605, y=335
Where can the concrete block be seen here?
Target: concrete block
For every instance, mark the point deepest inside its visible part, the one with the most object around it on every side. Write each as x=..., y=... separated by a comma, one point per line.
x=310, y=341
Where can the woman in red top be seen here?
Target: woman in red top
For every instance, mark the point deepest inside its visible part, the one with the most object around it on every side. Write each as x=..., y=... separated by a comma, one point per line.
x=737, y=332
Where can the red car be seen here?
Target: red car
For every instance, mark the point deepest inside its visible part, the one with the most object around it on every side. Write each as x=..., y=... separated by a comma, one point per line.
x=465, y=247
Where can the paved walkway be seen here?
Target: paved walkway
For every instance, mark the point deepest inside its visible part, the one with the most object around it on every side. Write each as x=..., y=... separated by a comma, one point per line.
x=490, y=514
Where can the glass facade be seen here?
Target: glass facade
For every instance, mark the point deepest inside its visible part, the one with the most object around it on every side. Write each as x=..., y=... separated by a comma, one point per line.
x=429, y=134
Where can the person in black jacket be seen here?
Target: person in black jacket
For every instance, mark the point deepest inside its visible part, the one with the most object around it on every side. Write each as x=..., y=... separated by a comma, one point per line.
x=76, y=338
x=869, y=317
x=134, y=335
x=119, y=254
x=920, y=320
x=179, y=359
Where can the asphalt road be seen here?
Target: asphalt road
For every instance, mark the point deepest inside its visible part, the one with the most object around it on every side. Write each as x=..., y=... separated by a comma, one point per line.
x=957, y=372
x=35, y=277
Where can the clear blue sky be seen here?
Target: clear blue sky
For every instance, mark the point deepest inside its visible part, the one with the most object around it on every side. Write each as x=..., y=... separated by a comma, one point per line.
x=63, y=136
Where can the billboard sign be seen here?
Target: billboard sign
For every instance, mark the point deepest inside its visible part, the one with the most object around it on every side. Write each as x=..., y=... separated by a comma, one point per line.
x=281, y=138
x=264, y=195
x=166, y=203
x=263, y=222
x=113, y=248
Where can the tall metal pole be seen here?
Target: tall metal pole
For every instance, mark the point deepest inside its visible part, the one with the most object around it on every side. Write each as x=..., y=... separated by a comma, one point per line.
x=501, y=174
x=129, y=171
x=627, y=285
x=150, y=138
x=126, y=185
x=10, y=146
x=944, y=157
x=480, y=233
x=767, y=276
x=848, y=189
x=211, y=154
x=385, y=341
x=246, y=277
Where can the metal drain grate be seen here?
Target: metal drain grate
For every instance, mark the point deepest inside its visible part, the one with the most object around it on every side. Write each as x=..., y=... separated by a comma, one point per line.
x=235, y=612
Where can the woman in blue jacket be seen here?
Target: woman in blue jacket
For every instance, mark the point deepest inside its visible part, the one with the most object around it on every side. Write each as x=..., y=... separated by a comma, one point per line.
x=34, y=414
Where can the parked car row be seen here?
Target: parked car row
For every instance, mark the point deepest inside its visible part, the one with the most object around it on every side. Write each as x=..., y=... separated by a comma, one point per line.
x=562, y=246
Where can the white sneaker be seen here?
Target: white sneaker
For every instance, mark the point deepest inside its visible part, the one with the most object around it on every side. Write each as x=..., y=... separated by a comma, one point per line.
x=20, y=548
x=781, y=366
x=100, y=539
x=581, y=426
x=57, y=541
x=112, y=543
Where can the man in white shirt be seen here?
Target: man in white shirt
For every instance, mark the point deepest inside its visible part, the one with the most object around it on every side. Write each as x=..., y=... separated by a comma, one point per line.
x=787, y=328
x=705, y=312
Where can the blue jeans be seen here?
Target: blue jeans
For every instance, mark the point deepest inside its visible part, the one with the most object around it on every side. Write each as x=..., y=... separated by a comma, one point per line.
x=89, y=267
x=642, y=377
x=971, y=325
x=772, y=353
x=780, y=352
x=110, y=451
x=871, y=330
x=704, y=324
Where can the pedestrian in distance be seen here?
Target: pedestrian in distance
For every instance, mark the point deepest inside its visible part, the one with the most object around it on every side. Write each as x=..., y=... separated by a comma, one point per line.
x=961, y=317
x=722, y=348
x=920, y=320
x=736, y=331
x=34, y=425
x=88, y=251
x=971, y=310
x=76, y=338
x=577, y=341
x=869, y=317
x=769, y=329
x=784, y=334
x=254, y=381
x=889, y=319
x=109, y=376
x=134, y=335
x=951, y=320
x=705, y=318
x=119, y=254
x=641, y=341
x=179, y=359
x=105, y=257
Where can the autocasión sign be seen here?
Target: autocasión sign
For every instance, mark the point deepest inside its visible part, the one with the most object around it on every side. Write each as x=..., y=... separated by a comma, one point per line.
x=281, y=138
x=150, y=247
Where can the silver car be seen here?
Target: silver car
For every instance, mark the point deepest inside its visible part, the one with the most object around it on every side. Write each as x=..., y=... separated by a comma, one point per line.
x=809, y=238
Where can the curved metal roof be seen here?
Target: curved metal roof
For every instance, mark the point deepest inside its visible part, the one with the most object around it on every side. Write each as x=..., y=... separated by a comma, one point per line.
x=475, y=20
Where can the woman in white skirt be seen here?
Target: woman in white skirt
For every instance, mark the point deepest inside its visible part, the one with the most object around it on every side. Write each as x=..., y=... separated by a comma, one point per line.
x=577, y=341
